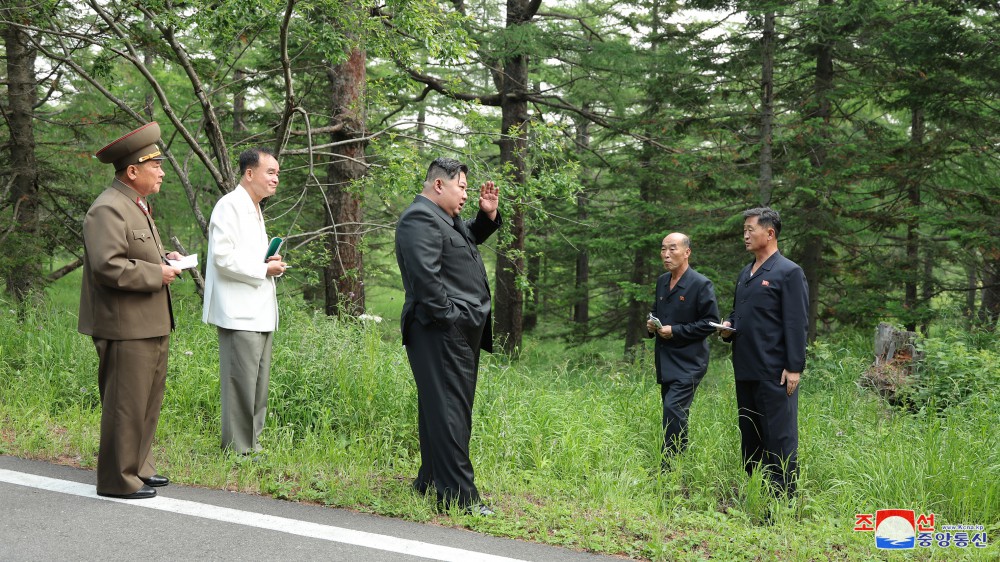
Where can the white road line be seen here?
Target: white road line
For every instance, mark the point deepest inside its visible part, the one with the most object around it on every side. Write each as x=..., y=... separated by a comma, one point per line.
x=261, y=521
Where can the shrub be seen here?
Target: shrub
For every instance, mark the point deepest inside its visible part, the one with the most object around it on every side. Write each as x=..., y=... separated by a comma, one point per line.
x=952, y=372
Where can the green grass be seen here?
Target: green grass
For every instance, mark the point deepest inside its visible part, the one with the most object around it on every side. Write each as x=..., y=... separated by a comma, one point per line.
x=565, y=441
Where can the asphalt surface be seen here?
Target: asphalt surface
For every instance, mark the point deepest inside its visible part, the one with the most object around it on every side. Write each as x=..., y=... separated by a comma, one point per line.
x=52, y=512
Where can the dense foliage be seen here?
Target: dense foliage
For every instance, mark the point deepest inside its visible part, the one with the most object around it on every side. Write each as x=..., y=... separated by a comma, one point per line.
x=872, y=125
x=955, y=370
x=874, y=130
x=565, y=442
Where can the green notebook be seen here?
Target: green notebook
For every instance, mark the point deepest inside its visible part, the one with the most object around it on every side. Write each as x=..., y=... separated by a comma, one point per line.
x=273, y=247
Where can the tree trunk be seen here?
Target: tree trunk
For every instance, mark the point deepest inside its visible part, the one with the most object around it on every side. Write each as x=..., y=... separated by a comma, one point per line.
x=989, y=310
x=912, y=266
x=766, y=180
x=422, y=122
x=969, y=310
x=344, y=274
x=637, y=307
x=147, y=60
x=532, y=306
x=581, y=302
x=22, y=268
x=818, y=114
x=927, y=291
x=508, y=302
x=239, y=103
x=581, y=305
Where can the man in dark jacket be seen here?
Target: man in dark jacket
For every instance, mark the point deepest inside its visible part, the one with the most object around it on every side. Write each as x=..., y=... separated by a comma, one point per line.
x=685, y=304
x=446, y=321
x=770, y=318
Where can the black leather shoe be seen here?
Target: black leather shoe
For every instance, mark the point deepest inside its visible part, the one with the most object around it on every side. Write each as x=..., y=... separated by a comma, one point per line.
x=155, y=481
x=140, y=494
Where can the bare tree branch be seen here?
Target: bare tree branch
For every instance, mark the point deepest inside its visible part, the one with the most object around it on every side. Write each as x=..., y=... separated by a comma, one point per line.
x=439, y=86
x=222, y=172
x=286, y=67
x=52, y=89
x=199, y=281
x=550, y=101
x=68, y=60
x=65, y=270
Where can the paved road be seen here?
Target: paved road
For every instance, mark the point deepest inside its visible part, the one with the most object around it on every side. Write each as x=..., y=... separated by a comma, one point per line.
x=51, y=512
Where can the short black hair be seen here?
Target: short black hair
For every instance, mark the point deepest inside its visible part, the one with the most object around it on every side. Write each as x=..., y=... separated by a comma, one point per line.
x=250, y=157
x=445, y=168
x=766, y=217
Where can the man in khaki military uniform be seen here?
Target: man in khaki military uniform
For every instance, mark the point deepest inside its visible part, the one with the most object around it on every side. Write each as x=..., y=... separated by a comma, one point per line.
x=125, y=307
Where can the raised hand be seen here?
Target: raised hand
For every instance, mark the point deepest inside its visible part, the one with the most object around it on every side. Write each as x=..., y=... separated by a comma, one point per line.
x=489, y=198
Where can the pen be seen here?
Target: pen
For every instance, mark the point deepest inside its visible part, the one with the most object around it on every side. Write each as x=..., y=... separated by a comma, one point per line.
x=167, y=262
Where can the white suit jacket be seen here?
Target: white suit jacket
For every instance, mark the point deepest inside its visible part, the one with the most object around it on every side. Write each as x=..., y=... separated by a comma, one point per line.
x=238, y=293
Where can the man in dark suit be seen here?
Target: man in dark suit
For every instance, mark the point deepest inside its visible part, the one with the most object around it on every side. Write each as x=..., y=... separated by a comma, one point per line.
x=685, y=304
x=445, y=322
x=125, y=307
x=770, y=318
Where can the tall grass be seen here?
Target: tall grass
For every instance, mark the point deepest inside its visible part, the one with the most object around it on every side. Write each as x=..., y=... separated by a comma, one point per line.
x=565, y=441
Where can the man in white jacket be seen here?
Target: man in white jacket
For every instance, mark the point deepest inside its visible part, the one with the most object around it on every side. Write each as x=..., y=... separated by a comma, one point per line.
x=240, y=299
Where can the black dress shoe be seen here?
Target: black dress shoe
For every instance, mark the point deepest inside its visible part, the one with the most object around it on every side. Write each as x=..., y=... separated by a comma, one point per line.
x=155, y=481
x=140, y=494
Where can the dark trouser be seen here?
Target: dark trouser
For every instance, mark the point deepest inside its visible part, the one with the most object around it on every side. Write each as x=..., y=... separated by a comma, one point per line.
x=131, y=377
x=244, y=375
x=677, y=397
x=769, y=427
x=445, y=369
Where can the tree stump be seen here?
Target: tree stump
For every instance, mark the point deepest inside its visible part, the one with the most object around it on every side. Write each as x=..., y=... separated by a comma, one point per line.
x=895, y=357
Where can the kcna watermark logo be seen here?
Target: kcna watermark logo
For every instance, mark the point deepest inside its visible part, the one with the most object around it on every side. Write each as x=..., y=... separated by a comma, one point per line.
x=903, y=528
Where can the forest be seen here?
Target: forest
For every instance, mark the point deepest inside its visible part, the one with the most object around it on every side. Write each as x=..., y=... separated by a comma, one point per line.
x=872, y=126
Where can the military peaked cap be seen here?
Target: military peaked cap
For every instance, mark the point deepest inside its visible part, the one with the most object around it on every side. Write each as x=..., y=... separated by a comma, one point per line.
x=133, y=148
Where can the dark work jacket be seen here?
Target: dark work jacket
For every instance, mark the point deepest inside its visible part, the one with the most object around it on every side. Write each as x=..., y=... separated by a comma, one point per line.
x=688, y=309
x=443, y=273
x=770, y=314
